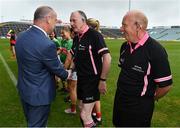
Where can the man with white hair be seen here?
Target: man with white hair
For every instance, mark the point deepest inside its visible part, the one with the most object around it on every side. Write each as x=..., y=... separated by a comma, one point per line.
x=92, y=62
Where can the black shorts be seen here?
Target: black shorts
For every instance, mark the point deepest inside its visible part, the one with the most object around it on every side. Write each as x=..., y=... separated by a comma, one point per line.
x=87, y=89
x=12, y=44
x=132, y=111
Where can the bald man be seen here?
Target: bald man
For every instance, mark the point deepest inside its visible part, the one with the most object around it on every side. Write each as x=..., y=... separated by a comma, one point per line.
x=145, y=73
x=37, y=64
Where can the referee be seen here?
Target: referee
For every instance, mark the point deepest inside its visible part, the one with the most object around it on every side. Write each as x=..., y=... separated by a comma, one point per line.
x=145, y=74
x=92, y=62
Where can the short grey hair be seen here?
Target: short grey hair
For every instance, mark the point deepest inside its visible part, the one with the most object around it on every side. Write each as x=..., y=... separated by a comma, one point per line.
x=83, y=15
x=42, y=11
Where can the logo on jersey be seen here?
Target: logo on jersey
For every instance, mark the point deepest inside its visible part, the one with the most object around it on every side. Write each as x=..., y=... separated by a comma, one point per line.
x=89, y=98
x=137, y=68
x=81, y=47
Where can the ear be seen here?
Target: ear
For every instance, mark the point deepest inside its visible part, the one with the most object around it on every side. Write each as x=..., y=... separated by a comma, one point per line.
x=139, y=26
x=48, y=19
x=83, y=19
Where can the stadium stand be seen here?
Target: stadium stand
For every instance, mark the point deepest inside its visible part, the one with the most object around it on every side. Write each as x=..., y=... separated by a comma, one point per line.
x=159, y=33
x=16, y=26
x=110, y=32
x=165, y=33
x=21, y=26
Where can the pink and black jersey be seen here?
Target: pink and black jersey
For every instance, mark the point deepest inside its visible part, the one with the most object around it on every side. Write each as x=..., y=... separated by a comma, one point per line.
x=143, y=67
x=88, y=50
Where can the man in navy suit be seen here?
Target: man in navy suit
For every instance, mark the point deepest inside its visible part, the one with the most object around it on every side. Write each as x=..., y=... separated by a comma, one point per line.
x=37, y=64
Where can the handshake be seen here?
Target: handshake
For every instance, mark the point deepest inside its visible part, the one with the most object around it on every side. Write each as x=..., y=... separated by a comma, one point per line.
x=63, y=50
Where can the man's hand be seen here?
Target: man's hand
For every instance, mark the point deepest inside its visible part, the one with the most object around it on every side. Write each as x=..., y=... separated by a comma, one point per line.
x=64, y=50
x=102, y=87
x=160, y=92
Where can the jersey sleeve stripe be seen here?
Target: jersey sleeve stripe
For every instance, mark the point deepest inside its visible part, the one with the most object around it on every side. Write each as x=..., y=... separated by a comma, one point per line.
x=163, y=79
x=103, y=49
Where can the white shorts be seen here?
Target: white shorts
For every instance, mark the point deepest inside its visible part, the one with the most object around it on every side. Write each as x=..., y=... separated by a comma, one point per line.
x=73, y=76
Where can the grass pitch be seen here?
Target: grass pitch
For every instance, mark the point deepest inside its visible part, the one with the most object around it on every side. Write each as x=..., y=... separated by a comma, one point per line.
x=167, y=110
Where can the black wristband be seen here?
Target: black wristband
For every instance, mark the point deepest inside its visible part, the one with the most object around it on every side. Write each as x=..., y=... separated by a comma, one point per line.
x=102, y=79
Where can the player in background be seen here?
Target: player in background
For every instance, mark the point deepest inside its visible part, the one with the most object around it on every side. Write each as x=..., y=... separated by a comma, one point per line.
x=96, y=114
x=65, y=47
x=12, y=35
x=68, y=34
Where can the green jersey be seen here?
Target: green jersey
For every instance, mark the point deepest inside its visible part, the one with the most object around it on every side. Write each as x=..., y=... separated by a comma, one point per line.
x=59, y=39
x=66, y=47
x=57, y=43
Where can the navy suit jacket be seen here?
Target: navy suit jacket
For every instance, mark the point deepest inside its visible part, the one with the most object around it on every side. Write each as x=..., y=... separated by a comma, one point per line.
x=37, y=64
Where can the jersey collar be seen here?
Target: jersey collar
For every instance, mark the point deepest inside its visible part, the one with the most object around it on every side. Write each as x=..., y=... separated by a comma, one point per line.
x=80, y=35
x=141, y=42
